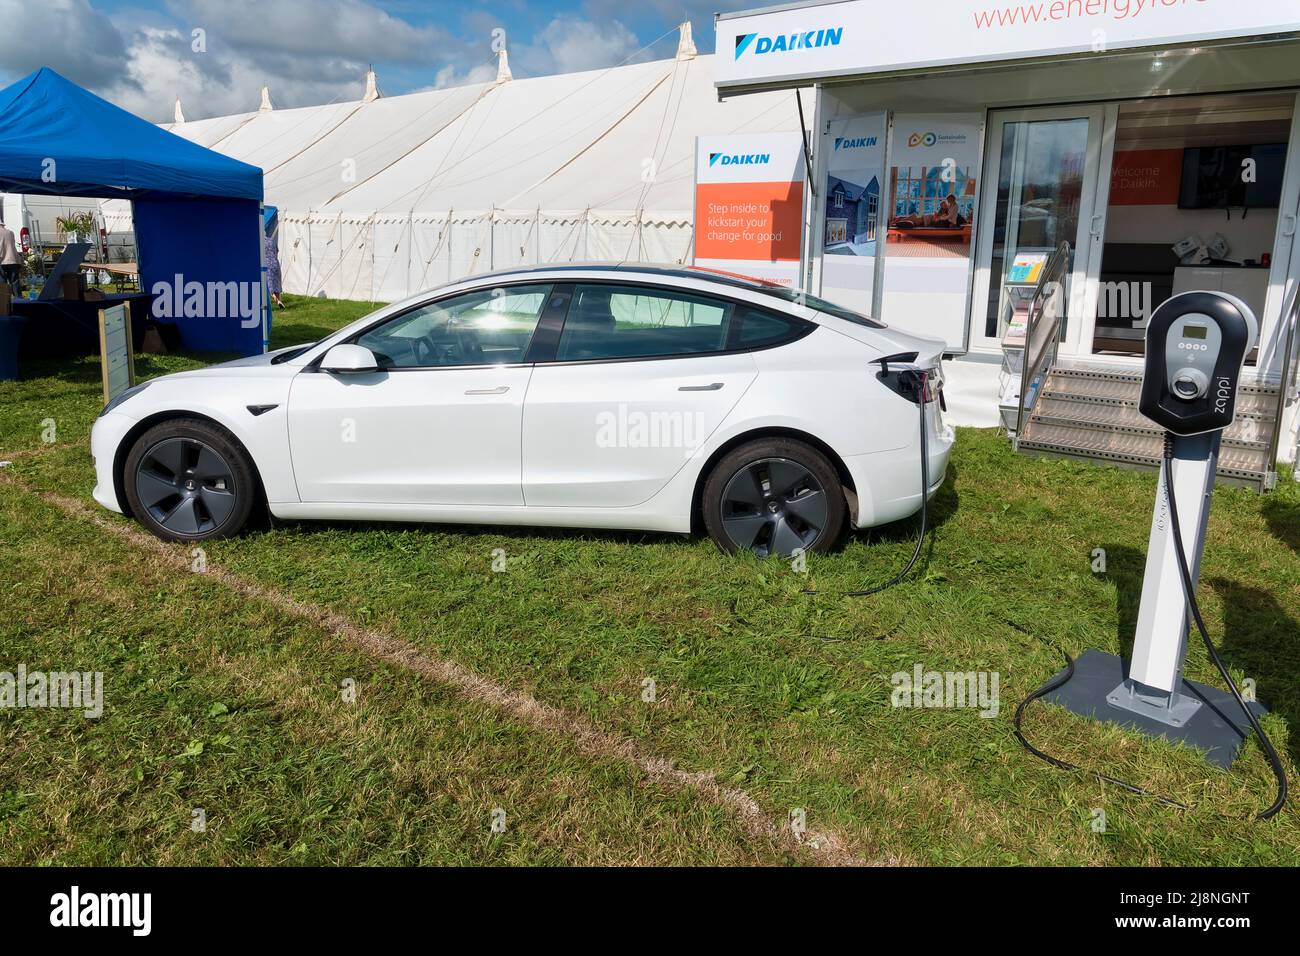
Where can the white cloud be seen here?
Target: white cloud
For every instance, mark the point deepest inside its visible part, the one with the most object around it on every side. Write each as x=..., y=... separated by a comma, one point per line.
x=307, y=51
x=451, y=75
x=569, y=44
x=67, y=35
x=350, y=29
x=162, y=67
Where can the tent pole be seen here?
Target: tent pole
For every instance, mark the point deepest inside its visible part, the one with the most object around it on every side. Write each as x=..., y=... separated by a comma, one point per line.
x=266, y=298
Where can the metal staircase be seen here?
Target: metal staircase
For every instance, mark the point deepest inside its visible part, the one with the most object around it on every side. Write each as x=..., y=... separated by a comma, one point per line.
x=1090, y=411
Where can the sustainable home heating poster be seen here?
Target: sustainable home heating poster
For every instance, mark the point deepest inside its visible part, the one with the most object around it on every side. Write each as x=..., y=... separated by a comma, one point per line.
x=853, y=207
x=749, y=205
x=932, y=198
x=933, y=186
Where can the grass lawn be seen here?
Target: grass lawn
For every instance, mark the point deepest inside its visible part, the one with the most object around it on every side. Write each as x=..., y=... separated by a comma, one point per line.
x=219, y=699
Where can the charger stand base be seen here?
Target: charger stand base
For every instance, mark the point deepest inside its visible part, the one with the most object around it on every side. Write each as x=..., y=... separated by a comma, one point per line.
x=1170, y=707
x=1217, y=729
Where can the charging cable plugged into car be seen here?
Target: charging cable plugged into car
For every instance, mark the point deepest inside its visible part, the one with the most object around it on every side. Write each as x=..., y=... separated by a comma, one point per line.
x=901, y=375
x=1196, y=348
x=913, y=384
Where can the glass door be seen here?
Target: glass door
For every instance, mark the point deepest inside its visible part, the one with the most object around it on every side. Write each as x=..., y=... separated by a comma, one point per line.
x=1041, y=189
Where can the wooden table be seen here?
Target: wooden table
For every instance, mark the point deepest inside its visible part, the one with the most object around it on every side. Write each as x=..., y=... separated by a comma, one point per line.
x=122, y=272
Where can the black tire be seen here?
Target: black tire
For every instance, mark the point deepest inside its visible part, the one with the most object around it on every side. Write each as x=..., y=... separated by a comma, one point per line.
x=773, y=495
x=214, y=486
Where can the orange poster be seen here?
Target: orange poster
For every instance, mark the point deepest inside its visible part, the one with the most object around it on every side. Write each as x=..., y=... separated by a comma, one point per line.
x=1146, y=177
x=759, y=222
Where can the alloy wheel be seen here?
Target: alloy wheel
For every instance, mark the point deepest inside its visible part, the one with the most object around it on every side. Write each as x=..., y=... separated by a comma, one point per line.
x=773, y=506
x=186, y=486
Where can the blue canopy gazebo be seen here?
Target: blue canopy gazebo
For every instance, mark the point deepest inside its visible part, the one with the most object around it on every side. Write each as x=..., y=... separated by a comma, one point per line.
x=197, y=213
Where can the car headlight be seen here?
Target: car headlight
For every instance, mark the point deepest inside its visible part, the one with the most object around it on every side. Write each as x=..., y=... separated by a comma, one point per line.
x=133, y=390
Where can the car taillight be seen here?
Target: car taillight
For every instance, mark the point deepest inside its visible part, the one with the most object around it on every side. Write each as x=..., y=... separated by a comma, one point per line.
x=932, y=384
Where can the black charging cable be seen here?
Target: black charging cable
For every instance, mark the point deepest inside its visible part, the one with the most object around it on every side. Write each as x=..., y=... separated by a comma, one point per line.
x=1065, y=764
x=1189, y=589
x=920, y=381
x=925, y=498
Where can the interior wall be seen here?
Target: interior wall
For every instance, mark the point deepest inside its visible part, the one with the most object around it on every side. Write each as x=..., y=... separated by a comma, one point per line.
x=1170, y=125
x=1247, y=238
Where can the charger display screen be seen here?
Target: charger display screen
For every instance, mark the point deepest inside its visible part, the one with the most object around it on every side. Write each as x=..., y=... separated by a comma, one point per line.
x=1195, y=331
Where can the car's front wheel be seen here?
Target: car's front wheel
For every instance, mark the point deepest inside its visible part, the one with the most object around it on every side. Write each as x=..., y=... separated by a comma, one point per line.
x=774, y=496
x=188, y=480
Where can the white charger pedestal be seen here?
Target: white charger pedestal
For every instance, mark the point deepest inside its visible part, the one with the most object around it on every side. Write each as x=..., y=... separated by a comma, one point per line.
x=1155, y=677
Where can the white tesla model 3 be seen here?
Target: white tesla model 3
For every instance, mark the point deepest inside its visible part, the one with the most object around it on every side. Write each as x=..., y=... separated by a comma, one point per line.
x=635, y=397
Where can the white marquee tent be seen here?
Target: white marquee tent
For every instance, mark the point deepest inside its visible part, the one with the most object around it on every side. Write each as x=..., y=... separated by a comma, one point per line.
x=386, y=196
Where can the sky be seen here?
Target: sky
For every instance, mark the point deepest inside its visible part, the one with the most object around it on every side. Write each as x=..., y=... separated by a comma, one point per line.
x=217, y=54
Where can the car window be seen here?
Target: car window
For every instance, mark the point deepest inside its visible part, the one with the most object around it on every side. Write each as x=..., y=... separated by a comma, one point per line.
x=617, y=322
x=760, y=329
x=487, y=327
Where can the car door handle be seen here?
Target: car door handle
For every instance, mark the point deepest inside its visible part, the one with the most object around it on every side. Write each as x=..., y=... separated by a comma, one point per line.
x=499, y=390
x=700, y=388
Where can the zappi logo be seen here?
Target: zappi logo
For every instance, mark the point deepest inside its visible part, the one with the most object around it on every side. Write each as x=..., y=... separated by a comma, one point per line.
x=739, y=159
x=854, y=142
x=785, y=42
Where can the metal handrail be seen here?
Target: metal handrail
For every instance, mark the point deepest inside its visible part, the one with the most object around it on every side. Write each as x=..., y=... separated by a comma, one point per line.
x=1288, y=378
x=1050, y=291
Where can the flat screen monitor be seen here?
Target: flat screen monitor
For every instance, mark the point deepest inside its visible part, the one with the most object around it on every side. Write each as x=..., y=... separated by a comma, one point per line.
x=1214, y=177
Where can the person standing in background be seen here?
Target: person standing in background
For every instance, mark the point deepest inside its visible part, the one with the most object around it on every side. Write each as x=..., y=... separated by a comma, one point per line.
x=274, y=282
x=10, y=263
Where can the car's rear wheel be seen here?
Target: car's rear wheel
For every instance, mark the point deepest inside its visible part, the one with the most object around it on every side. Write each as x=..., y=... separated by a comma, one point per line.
x=774, y=496
x=188, y=480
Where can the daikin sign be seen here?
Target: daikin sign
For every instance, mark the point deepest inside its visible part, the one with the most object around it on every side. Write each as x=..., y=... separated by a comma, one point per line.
x=809, y=40
x=856, y=38
x=739, y=159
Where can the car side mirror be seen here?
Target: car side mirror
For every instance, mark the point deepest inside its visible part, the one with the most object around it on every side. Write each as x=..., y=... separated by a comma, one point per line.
x=349, y=358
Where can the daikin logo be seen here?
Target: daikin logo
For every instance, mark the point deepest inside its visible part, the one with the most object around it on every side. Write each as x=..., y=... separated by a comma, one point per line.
x=859, y=142
x=739, y=159
x=785, y=42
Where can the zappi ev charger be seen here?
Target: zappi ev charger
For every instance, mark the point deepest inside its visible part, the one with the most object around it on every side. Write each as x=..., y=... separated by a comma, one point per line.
x=1196, y=347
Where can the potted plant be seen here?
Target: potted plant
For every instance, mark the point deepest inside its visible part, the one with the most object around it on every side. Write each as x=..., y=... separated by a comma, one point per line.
x=74, y=225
